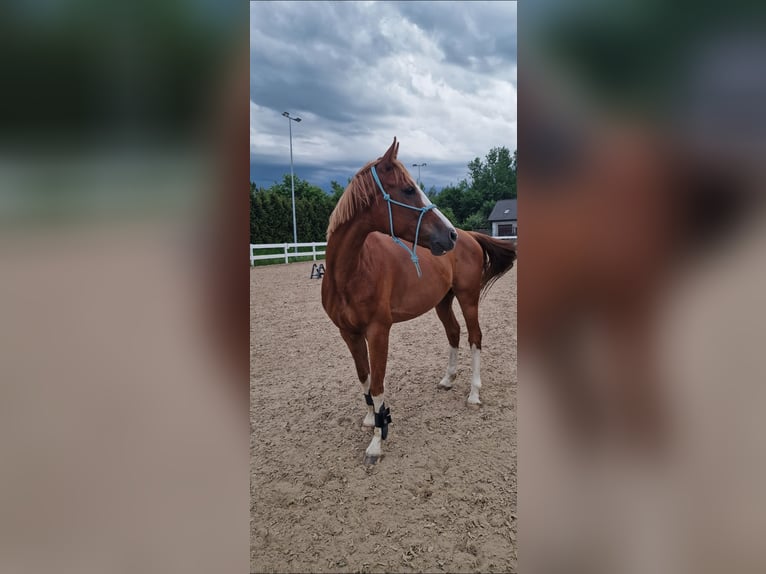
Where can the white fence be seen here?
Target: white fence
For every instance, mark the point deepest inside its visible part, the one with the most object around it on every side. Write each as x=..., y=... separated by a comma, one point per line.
x=288, y=250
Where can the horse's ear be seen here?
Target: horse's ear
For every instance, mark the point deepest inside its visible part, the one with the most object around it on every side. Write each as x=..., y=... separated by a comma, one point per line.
x=390, y=154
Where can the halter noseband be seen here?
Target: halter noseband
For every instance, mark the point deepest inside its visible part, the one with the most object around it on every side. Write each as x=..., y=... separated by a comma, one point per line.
x=423, y=210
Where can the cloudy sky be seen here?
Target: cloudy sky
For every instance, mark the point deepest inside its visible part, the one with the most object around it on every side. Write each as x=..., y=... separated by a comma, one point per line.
x=440, y=76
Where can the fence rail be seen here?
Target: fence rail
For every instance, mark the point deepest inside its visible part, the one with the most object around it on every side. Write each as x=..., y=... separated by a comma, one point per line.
x=288, y=250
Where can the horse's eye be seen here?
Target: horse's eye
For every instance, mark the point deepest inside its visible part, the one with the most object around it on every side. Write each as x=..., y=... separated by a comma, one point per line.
x=409, y=190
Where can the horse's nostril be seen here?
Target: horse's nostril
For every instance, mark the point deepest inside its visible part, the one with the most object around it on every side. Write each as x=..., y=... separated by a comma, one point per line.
x=453, y=235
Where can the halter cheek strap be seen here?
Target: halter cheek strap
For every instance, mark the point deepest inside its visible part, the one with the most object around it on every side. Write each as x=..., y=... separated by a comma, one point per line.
x=423, y=210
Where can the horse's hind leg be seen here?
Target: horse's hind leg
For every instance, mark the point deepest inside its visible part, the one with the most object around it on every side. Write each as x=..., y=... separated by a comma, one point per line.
x=452, y=328
x=469, y=303
x=358, y=347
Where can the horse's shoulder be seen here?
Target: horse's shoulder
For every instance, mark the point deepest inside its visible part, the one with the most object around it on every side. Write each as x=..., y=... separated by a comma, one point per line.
x=376, y=240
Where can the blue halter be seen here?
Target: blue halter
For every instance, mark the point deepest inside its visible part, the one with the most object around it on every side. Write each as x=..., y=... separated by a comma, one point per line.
x=422, y=210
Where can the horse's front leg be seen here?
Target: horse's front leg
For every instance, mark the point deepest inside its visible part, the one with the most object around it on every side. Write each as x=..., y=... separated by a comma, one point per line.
x=377, y=341
x=358, y=347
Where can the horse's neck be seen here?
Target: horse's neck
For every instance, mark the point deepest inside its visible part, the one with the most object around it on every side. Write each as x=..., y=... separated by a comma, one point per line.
x=344, y=249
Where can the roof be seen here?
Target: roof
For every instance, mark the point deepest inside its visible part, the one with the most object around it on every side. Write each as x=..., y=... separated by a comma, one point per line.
x=504, y=210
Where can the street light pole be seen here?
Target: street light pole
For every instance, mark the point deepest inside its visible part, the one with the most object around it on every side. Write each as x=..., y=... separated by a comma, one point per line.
x=292, y=177
x=419, y=165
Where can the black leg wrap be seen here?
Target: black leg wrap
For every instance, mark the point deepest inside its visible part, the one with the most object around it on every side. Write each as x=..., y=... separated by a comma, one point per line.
x=368, y=399
x=382, y=418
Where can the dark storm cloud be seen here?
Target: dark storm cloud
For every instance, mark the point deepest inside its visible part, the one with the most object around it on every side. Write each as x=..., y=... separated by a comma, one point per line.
x=439, y=76
x=480, y=35
x=305, y=55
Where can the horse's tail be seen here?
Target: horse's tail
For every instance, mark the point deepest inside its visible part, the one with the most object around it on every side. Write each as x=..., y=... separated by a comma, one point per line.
x=499, y=255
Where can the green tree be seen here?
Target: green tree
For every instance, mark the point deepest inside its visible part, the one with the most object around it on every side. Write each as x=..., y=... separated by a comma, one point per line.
x=302, y=188
x=337, y=191
x=472, y=199
x=256, y=215
x=277, y=218
x=453, y=197
x=495, y=177
x=448, y=213
x=271, y=219
x=475, y=221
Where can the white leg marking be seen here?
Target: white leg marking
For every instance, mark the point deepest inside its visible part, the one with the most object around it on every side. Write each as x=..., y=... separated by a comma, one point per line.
x=374, y=448
x=473, y=397
x=375, y=445
x=369, y=418
x=449, y=378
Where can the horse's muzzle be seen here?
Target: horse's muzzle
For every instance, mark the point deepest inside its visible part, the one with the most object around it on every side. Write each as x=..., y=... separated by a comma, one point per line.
x=441, y=245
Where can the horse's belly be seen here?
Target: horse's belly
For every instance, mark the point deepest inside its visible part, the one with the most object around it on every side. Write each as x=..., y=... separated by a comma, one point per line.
x=411, y=303
x=405, y=314
x=413, y=296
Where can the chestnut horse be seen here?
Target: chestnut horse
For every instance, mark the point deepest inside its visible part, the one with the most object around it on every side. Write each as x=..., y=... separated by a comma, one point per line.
x=372, y=281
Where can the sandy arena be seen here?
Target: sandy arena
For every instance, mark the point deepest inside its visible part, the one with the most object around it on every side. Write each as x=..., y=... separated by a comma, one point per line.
x=443, y=498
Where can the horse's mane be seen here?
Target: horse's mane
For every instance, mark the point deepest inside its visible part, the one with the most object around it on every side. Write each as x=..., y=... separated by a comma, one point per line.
x=362, y=192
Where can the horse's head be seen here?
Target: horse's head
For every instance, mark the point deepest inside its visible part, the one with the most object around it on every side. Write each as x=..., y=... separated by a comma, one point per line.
x=406, y=207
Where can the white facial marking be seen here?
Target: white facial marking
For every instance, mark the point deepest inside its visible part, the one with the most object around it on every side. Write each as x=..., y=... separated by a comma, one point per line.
x=473, y=397
x=427, y=202
x=446, y=221
x=449, y=378
x=423, y=196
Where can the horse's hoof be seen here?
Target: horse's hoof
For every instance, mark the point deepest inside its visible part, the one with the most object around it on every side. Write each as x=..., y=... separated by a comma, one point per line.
x=372, y=459
x=472, y=405
x=443, y=387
